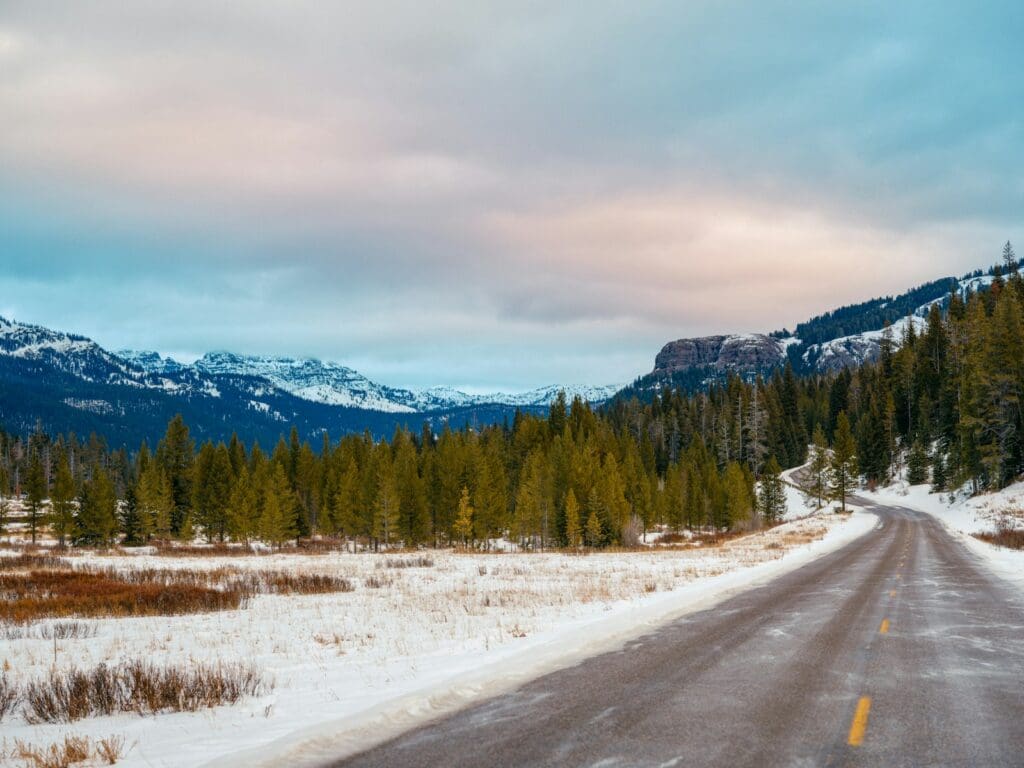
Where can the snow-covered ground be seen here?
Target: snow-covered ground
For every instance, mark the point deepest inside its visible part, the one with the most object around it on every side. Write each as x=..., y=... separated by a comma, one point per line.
x=964, y=515
x=357, y=666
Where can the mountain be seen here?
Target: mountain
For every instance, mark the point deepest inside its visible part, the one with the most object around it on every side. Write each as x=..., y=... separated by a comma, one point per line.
x=844, y=337
x=335, y=384
x=66, y=382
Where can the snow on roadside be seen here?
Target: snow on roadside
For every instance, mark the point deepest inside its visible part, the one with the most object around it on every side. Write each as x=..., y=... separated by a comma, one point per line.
x=964, y=515
x=351, y=667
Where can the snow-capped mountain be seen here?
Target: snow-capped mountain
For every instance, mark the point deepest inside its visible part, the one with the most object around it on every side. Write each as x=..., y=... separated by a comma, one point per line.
x=67, y=352
x=332, y=383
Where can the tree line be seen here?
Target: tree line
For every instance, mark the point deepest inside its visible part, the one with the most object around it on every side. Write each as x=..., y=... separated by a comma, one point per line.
x=942, y=401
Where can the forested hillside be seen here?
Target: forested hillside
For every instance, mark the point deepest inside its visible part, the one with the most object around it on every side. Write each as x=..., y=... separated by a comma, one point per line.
x=945, y=400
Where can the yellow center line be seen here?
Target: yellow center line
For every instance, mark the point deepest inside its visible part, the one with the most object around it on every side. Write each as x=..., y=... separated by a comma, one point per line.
x=884, y=629
x=860, y=722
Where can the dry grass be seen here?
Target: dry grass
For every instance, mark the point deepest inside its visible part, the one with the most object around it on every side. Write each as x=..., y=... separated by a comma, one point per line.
x=9, y=695
x=1004, y=536
x=137, y=686
x=58, y=593
x=420, y=561
x=53, y=588
x=73, y=750
x=61, y=630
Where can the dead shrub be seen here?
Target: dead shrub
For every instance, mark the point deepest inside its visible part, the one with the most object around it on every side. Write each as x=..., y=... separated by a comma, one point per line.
x=137, y=686
x=421, y=561
x=376, y=582
x=74, y=749
x=111, y=749
x=1004, y=536
x=9, y=695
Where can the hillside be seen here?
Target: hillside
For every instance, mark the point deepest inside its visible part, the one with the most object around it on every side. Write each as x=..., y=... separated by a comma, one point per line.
x=842, y=338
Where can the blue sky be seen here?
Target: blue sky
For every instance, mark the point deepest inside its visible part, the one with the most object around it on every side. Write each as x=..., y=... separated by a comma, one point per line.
x=494, y=195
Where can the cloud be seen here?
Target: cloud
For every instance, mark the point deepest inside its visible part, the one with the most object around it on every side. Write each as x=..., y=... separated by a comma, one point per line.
x=460, y=194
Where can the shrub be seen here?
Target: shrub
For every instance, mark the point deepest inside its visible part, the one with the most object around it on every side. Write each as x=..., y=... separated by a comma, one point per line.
x=9, y=695
x=137, y=686
x=1004, y=536
x=421, y=561
x=40, y=594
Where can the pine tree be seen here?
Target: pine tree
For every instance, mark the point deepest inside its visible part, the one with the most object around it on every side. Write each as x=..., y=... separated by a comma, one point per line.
x=819, y=466
x=462, y=528
x=96, y=524
x=243, y=510
x=572, y=520
x=938, y=472
x=132, y=526
x=843, y=467
x=35, y=493
x=737, y=495
x=175, y=454
x=276, y=513
x=594, y=533
x=772, y=497
x=1009, y=258
x=386, y=507
x=917, y=464
x=62, y=502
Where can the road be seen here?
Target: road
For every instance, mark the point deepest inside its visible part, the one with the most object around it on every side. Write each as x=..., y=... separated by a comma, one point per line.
x=897, y=650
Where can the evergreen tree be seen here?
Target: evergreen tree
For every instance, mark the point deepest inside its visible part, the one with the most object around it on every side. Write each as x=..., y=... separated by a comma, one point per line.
x=594, y=532
x=843, y=467
x=386, y=508
x=277, y=523
x=463, y=526
x=818, y=467
x=132, y=527
x=737, y=495
x=175, y=454
x=35, y=493
x=62, y=502
x=772, y=497
x=96, y=524
x=917, y=464
x=243, y=509
x=572, y=520
x=938, y=472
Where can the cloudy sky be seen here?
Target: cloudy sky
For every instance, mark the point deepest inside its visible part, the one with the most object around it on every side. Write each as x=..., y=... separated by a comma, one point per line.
x=494, y=195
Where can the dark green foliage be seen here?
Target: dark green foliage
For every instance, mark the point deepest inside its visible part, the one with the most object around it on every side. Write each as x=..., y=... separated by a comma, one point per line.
x=917, y=464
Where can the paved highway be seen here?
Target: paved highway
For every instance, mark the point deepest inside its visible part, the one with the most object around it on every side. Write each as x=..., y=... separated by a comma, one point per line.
x=898, y=650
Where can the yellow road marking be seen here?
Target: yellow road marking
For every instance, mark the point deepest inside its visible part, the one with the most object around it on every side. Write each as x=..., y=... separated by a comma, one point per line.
x=892, y=593
x=884, y=629
x=860, y=722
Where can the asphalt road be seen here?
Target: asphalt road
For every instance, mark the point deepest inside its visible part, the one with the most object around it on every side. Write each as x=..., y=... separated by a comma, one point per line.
x=898, y=650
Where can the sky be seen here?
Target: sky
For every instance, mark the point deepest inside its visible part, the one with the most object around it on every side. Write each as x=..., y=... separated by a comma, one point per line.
x=494, y=195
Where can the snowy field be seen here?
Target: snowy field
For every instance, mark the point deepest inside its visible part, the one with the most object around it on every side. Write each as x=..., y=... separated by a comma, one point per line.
x=964, y=516
x=408, y=643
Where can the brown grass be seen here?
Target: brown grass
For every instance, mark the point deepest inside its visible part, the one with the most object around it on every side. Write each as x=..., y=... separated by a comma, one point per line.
x=137, y=686
x=89, y=591
x=1011, y=538
x=59, y=593
x=9, y=695
x=72, y=751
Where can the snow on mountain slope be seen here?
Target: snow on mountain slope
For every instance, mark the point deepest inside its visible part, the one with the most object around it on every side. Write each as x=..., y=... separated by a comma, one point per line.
x=335, y=384
x=311, y=379
x=68, y=352
x=859, y=347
